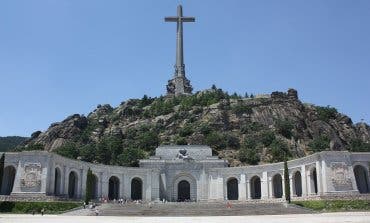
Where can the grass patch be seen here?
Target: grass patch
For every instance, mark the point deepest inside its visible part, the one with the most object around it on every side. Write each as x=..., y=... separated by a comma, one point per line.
x=30, y=207
x=335, y=205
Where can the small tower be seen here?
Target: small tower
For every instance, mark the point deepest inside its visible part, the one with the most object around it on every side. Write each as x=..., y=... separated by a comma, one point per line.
x=179, y=84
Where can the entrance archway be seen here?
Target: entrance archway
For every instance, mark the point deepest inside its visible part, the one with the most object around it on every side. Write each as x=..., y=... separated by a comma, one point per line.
x=113, y=188
x=362, y=178
x=277, y=184
x=136, y=189
x=57, y=181
x=8, y=180
x=313, y=181
x=72, y=185
x=232, y=189
x=255, y=184
x=183, y=191
x=297, y=184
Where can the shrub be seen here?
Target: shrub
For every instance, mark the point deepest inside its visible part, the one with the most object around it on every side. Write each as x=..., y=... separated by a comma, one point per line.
x=186, y=130
x=240, y=109
x=357, y=145
x=249, y=156
x=89, y=186
x=319, y=144
x=326, y=113
x=181, y=141
x=279, y=151
x=216, y=140
x=131, y=157
x=68, y=150
x=267, y=137
x=29, y=207
x=284, y=127
x=232, y=141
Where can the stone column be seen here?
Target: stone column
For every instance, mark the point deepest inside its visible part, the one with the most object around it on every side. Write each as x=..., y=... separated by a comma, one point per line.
x=63, y=180
x=66, y=180
x=121, y=186
x=127, y=187
x=148, y=187
x=105, y=185
x=309, y=187
x=82, y=186
x=291, y=185
x=304, y=181
x=264, y=186
x=283, y=185
x=323, y=175
x=242, y=188
x=271, y=188
x=249, y=190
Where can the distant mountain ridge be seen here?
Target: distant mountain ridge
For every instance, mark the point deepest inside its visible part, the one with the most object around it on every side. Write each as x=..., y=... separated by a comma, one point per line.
x=10, y=142
x=243, y=129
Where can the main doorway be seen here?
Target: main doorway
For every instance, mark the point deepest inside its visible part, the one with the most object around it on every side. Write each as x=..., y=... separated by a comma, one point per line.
x=183, y=191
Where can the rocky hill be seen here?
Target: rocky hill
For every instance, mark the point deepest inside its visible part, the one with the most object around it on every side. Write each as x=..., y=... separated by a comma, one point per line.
x=243, y=129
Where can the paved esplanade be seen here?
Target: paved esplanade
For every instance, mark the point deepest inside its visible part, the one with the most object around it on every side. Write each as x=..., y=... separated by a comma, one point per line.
x=180, y=84
x=355, y=217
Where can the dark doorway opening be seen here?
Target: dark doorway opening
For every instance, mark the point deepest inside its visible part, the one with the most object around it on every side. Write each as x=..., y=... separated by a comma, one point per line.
x=183, y=191
x=232, y=189
x=113, y=188
x=136, y=189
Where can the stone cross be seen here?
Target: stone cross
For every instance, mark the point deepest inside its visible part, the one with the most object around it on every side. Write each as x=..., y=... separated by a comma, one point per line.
x=179, y=19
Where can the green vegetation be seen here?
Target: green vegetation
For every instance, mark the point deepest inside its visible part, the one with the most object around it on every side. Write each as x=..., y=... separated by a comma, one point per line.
x=284, y=127
x=89, y=186
x=216, y=140
x=10, y=142
x=335, y=205
x=241, y=108
x=357, y=145
x=30, y=207
x=279, y=151
x=248, y=153
x=326, y=113
x=286, y=182
x=319, y=144
x=131, y=157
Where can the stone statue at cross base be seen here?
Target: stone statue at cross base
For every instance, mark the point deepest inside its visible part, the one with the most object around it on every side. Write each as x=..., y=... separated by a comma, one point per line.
x=178, y=86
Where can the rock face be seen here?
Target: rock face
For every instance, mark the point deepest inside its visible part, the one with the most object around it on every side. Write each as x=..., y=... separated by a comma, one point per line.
x=181, y=121
x=59, y=133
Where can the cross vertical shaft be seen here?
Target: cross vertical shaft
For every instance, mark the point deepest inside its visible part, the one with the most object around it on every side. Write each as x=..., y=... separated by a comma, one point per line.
x=179, y=19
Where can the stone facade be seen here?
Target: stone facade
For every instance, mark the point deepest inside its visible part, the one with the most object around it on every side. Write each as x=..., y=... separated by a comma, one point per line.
x=178, y=173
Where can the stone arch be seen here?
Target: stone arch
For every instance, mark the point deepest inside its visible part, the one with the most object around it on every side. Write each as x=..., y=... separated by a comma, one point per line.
x=57, y=181
x=136, y=188
x=255, y=185
x=8, y=180
x=183, y=191
x=313, y=181
x=362, y=179
x=113, y=192
x=73, y=185
x=192, y=183
x=232, y=189
x=297, y=184
x=277, y=186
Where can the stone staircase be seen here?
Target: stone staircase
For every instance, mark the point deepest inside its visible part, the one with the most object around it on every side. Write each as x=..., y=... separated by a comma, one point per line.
x=199, y=209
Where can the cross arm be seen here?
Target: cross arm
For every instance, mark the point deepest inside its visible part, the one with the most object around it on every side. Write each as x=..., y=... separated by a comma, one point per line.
x=171, y=19
x=175, y=19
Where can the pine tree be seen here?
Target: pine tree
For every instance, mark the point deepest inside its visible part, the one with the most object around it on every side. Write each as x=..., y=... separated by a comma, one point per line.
x=2, y=163
x=89, y=186
x=286, y=182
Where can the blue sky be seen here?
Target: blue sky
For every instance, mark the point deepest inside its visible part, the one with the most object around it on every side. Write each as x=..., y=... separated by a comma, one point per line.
x=60, y=57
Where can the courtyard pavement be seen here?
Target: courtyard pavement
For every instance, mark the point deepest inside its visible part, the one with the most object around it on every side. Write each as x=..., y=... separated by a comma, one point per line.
x=353, y=217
